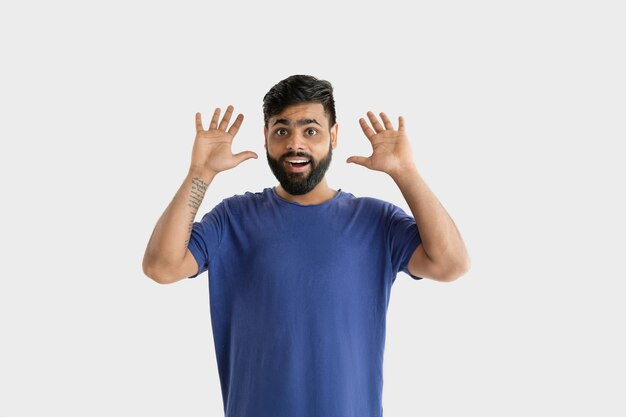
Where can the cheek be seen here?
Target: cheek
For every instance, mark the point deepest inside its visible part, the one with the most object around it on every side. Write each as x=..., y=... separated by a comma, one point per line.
x=273, y=150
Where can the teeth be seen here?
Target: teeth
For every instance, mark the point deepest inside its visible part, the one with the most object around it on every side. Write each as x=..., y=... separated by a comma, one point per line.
x=297, y=160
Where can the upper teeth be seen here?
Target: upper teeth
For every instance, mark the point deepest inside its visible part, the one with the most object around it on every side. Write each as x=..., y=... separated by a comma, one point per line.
x=297, y=160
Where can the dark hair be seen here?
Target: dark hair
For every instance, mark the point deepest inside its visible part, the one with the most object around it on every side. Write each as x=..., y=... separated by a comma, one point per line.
x=298, y=89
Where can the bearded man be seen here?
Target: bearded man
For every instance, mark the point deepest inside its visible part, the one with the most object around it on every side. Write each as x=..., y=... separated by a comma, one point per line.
x=300, y=274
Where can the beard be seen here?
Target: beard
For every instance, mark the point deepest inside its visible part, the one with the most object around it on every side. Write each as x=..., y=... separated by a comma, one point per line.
x=298, y=183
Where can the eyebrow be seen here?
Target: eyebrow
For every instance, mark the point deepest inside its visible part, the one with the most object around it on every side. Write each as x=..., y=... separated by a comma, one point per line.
x=301, y=122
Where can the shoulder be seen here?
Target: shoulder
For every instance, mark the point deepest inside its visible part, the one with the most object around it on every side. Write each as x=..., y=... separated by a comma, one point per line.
x=247, y=197
x=249, y=200
x=371, y=206
x=369, y=202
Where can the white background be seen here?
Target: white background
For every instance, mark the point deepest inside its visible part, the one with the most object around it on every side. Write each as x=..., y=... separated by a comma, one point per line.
x=515, y=111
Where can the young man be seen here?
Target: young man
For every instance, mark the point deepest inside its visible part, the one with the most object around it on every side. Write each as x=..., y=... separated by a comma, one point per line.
x=300, y=274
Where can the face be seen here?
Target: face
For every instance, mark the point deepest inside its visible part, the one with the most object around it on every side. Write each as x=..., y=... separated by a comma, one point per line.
x=299, y=146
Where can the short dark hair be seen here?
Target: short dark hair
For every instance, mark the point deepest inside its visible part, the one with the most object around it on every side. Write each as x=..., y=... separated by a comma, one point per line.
x=298, y=89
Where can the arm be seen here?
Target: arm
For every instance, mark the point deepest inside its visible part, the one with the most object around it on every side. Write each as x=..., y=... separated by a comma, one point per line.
x=167, y=258
x=442, y=254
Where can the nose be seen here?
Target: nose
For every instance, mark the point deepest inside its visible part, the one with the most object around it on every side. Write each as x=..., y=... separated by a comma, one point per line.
x=295, y=142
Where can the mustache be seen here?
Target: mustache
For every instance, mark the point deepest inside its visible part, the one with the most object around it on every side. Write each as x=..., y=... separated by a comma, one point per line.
x=295, y=154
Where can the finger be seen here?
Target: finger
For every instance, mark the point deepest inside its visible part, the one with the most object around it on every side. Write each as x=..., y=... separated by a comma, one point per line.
x=359, y=160
x=366, y=129
x=235, y=127
x=242, y=156
x=216, y=116
x=375, y=123
x=199, y=127
x=226, y=118
x=386, y=121
x=400, y=123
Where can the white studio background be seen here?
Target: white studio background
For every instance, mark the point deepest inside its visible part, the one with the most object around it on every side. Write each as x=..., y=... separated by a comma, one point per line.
x=515, y=111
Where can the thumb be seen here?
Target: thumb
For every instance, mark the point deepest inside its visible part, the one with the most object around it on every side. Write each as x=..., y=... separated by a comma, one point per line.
x=242, y=156
x=359, y=160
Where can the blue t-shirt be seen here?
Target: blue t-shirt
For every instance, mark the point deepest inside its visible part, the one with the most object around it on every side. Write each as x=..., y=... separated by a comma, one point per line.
x=298, y=299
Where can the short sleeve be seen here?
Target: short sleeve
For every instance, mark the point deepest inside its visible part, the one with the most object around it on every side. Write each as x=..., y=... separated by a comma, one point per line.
x=402, y=239
x=206, y=236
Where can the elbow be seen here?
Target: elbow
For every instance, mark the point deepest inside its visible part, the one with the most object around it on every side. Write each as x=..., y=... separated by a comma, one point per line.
x=155, y=273
x=460, y=269
x=463, y=269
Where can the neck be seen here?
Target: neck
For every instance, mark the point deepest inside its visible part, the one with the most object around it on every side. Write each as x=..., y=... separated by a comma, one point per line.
x=322, y=192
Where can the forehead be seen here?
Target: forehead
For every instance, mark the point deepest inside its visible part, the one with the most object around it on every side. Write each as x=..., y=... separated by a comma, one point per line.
x=301, y=111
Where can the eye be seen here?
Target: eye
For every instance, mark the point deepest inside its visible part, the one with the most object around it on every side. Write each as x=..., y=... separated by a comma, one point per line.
x=278, y=132
x=309, y=130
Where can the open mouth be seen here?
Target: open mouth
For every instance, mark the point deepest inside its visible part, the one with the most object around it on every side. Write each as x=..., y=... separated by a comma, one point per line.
x=298, y=164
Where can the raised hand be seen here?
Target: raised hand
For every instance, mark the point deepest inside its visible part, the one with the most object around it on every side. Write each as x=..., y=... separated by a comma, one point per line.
x=212, y=148
x=391, y=150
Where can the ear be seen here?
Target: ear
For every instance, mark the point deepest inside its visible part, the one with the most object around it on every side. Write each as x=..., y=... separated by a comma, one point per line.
x=265, y=136
x=333, y=135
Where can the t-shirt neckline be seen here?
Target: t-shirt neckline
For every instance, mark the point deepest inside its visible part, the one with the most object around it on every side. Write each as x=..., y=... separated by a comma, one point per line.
x=293, y=203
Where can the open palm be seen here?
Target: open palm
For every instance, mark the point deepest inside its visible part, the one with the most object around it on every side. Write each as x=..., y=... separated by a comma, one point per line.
x=212, y=149
x=391, y=150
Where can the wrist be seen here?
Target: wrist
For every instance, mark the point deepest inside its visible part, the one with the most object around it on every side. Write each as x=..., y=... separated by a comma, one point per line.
x=204, y=174
x=404, y=172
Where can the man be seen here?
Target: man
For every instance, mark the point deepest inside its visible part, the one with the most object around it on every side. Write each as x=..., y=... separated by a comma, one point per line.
x=300, y=274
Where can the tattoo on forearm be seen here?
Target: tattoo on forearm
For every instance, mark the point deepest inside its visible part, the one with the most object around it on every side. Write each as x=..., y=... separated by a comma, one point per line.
x=198, y=188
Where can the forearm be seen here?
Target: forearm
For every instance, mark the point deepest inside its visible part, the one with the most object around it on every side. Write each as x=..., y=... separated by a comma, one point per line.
x=168, y=244
x=441, y=239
